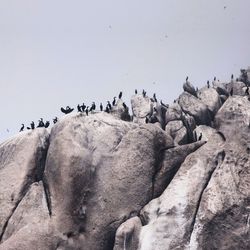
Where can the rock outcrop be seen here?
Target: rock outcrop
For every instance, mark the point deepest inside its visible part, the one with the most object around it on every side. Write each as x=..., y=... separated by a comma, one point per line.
x=174, y=177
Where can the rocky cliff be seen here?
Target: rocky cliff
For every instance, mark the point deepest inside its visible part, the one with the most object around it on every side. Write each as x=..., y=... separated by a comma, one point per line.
x=175, y=177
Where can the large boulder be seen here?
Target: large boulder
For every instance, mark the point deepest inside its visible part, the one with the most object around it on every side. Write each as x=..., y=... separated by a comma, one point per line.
x=22, y=161
x=211, y=98
x=196, y=108
x=188, y=87
x=142, y=107
x=108, y=170
x=169, y=219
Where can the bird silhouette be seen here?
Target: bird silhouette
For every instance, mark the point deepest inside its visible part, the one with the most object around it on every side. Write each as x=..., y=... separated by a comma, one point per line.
x=67, y=110
x=22, y=128
x=120, y=95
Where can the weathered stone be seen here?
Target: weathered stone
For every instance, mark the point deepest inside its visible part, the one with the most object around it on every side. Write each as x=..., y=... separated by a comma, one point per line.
x=189, y=88
x=127, y=235
x=141, y=107
x=21, y=164
x=105, y=155
x=211, y=98
x=196, y=108
x=173, y=113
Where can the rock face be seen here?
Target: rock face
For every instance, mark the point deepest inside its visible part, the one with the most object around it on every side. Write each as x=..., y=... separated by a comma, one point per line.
x=103, y=182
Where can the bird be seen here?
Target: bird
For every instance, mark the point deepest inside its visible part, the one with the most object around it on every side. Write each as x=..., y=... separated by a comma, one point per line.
x=154, y=96
x=22, y=128
x=164, y=105
x=67, y=110
x=32, y=125
x=124, y=106
x=120, y=95
x=200, y=136
x=113, y=102
x=144, y=93
x=79, y=109
x=46, y=125
x=55, y=120
x=231, y=92
x=107, y=109
x=40, y=123
x=136, y=91
x=232, y=77
x=208, y=85
x=186, y=78
x=109, y=105
x=93, y=106
x=247, y=91
x=101, y=107
x=87, y=111
x=83, y=107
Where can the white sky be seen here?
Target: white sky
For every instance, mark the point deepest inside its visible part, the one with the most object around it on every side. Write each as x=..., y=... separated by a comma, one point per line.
x=58, y=53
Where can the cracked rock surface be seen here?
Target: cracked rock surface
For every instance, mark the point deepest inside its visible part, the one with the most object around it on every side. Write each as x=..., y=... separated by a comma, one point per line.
x=103, y=182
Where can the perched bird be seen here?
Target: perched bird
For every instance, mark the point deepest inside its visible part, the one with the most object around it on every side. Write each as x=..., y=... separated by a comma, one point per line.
x=32, y=125
x=83, y=107
x=247, y=91
x=22, y=128
x=120, y=95
x=47, y=123
x=124, y=106
x=136, y=91
x=113, y=102
x=208, y=85
x=79, y=109
x=67, y=110
x=55, y=120
x=109, y=105
x=154, y=96
x=186, y=78
x=200, y=136
x=40, y=123
x=92, y=107
x=144, y=93
x=231, y=92
x=87, y=111
x=232, y=77
x=101, y=107
x=107, y=109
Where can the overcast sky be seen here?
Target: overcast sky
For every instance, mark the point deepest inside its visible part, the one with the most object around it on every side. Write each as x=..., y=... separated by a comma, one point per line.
x=58, y=53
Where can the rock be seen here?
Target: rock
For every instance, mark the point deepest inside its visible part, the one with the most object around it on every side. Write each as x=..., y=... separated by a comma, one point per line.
x=177, y=131
x=189, y=88
x=196, y=108
x=22, y=160
x=172, y=160
x=82, y=180
x=169, y=219
x=222, y=221
x=237, y=88
x=173, y=113
x=211, y=98
x=141, y=107
x=233, y=115
x=127, y=235
x=120, y=111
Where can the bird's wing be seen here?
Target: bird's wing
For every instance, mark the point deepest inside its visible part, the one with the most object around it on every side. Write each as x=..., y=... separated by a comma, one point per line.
x=63, y=110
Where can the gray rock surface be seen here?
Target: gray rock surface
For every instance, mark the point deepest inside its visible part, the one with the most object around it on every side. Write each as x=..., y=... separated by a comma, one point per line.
x=188, y=87
x=98, y=182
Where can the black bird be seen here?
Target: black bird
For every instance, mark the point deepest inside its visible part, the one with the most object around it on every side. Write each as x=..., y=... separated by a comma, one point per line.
x=120, y=95
x=46, y=125
x=113, y=103
x=32, y=125
x=232, y=77
x=231, y=92
x=79, y=109
x=101, y=107
x=40, y=123
x=144, y=93
x=87, y=111
x=208, y=85
x=83, y=107
x=200, y=136
x=215, y=78
x=67, y=110
x=186, y=78
x=136, y=91
x=22, y=128
x=109, y=105
x=154, y=96
x=92, y=107
x=247, y=91
x=107, y=109
x=124, y=106
x=55, y=120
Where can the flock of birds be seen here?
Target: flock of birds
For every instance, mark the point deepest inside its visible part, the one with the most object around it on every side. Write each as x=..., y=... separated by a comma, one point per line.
x=80, y=108
x=83, y=108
